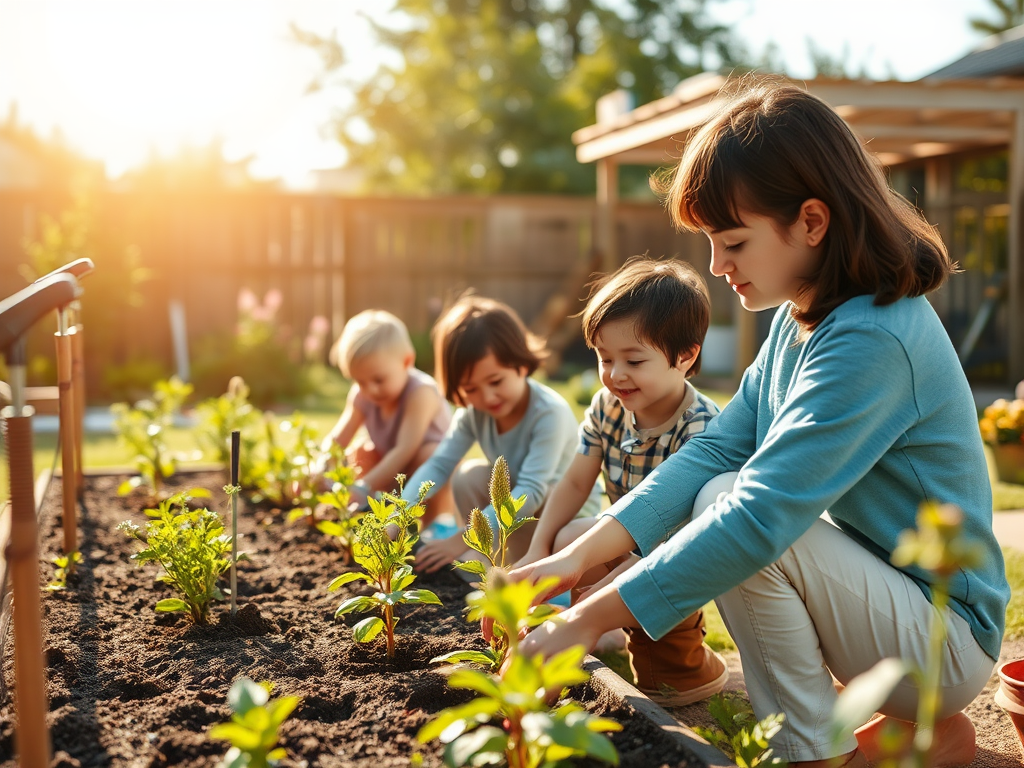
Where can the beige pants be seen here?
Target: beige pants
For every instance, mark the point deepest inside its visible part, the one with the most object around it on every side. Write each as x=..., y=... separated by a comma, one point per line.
x=826, y=608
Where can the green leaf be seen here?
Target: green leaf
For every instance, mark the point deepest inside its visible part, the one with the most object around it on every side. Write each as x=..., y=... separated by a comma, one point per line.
x=420, y=596
x=128, y=486
x=346, y=578
x=281, y=708
x=367, y=629
x=483, y=658
x=864, y=696
x=239, y=736
x=359, y=603
x=171, y=605
x=474, y=681
x=471, y=566
x=245, y=695
x=468, y=748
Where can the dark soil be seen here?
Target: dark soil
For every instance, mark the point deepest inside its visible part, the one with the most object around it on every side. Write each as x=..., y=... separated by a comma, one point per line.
x=130, y=687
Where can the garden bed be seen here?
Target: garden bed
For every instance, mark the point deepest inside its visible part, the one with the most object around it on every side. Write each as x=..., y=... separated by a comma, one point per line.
x=128, y=686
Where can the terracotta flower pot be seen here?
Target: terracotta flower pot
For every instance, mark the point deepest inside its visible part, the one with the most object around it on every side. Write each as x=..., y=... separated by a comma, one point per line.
x=1009, y=458
x=1010, y=695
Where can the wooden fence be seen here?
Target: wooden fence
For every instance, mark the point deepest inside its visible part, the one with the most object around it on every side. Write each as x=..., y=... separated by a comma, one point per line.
x=328, y=256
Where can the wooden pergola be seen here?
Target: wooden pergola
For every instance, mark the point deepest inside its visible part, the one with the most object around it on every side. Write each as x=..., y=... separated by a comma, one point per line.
x=898, y=121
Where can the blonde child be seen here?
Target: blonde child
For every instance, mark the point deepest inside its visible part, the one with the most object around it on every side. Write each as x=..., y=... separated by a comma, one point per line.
x=647, y=323
x=484, y=357
x=400, y=407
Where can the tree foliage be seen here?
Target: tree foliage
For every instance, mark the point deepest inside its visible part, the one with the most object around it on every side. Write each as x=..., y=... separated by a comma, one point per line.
x=484, y=94
x=1010, y=14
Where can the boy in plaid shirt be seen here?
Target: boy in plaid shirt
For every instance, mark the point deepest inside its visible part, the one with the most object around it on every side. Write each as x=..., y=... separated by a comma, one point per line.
x=647, y=323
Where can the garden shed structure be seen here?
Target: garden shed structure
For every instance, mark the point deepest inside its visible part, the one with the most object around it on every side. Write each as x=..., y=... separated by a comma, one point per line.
x=955, y=147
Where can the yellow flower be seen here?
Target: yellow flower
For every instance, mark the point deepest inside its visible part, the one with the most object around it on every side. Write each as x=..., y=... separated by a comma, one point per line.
x=988, y=430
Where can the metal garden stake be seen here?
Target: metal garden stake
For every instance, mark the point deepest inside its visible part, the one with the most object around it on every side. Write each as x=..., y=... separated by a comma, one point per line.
x=235, y=439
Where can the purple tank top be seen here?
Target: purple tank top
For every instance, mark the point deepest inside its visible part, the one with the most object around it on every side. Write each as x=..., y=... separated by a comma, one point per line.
x=384, y=431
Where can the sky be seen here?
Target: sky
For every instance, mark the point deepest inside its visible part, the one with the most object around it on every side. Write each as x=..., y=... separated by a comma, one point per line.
x=122, y=79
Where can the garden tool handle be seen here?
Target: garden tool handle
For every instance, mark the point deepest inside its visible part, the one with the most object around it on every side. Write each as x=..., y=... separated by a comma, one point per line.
x=78, y=269
x=20, y=311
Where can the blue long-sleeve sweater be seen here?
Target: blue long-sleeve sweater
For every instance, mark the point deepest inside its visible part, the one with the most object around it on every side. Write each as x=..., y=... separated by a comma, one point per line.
x=867, y=418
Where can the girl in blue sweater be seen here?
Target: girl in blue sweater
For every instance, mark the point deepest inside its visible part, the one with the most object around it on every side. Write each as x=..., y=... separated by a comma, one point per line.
x=856, y=405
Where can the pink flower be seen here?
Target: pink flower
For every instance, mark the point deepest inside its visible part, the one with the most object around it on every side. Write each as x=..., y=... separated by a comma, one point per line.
x=246, y=301
x=319, y=326
x=272, y=300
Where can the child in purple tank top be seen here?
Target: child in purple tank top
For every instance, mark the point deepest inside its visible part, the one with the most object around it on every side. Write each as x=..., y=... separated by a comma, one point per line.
x=400, y=407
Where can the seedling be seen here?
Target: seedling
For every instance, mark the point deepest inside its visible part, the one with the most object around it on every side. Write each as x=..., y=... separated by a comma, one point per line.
x=740, y=735
x=480, y=538
x=385, y=564
x=939, y=548
x=343, y=528
x=254, y=726
x=285, y=474
x=533, y=734
x=65, y=566
x=511, y=606
x=142, y=428
x=478, y=534
x=220, y=416
x=192, y=548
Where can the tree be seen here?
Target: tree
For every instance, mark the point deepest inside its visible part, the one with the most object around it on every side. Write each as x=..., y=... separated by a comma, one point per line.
x=488, y=92
x=1010, y=12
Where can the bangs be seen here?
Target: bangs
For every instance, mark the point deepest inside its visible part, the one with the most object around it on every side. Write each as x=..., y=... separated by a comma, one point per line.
x=706, y=191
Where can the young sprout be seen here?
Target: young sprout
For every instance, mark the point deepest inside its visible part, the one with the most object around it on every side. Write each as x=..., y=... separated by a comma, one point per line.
x=65, y=566
x=533, y=734
x=511, y=606
x=741, y=735
x=337, y=498
x=385, y=564
x=480, y=538
x=478, y=534
x=192, y=548
x=253, y=730
x=939, y=549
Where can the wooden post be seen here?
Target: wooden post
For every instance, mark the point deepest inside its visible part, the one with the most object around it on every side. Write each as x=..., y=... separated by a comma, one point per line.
x=67, y=434
x=607, y=205
x=1015, y=255
x=78, y=387
x=32, y=740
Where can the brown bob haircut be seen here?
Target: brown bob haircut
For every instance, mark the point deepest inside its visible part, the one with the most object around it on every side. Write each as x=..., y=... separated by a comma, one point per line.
x=667, y=300
x=471, y=328
x=774, y=146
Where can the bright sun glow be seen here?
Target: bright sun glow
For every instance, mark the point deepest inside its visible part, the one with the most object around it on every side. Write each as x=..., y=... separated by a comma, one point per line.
x=125, y=79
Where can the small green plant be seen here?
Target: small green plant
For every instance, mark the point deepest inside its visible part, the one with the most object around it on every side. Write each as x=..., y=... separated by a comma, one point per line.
x=346, y=521
x=142, y=428
x=254, y=726
x=478, y=534
x=533, y=734
x=385, y=564
x=512, y=609
x=65, y=566
x=220, y=416
x=192, y=548
x=740, y=735
x=939, y=548
x=285, y=473
x=480, y=538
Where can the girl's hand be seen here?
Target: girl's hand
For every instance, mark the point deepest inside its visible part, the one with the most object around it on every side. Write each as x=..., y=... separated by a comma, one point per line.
x=563, y=566
x=572, y=628
x=435, y=555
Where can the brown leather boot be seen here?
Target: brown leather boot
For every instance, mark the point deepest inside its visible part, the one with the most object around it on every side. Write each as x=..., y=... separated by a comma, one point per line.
x=678, y=669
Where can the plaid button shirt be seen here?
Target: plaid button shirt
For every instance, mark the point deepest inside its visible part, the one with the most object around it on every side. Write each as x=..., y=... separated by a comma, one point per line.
x=630, y=453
